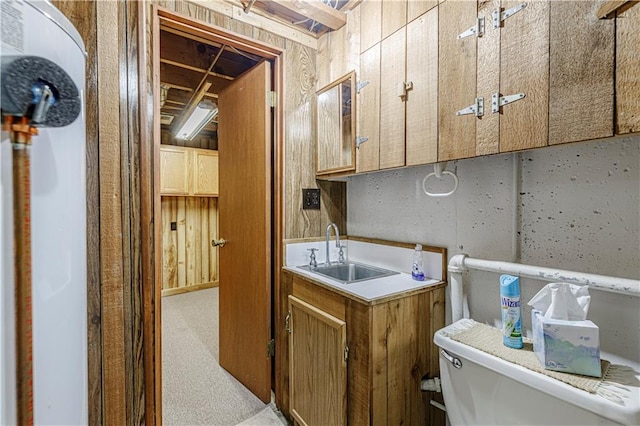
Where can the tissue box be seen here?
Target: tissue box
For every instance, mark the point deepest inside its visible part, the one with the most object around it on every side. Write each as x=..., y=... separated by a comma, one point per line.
x=567, y=346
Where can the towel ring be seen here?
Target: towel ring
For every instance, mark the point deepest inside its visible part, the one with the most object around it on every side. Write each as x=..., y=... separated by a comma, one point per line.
x=438, y=171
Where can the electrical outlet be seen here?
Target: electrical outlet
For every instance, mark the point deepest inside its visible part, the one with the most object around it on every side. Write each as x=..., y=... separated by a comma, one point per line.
x=311, y=199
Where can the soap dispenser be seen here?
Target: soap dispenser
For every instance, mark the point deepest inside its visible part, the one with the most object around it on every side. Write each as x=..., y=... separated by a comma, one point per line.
x=417, y=272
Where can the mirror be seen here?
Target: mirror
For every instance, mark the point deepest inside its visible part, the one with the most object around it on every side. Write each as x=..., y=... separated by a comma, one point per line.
x=336, y=126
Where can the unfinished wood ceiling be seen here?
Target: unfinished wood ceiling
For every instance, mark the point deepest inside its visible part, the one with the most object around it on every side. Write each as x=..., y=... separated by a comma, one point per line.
x=193, y=69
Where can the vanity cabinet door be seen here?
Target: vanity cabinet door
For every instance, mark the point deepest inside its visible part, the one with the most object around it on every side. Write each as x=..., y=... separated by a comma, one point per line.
x=318, y=368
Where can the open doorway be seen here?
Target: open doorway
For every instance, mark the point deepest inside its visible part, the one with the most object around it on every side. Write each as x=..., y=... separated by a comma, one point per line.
x=210, y=225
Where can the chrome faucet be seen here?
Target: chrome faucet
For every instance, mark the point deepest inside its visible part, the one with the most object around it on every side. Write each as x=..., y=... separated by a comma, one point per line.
x=335, y=228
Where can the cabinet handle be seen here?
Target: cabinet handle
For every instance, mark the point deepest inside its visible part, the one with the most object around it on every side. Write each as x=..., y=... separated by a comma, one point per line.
x=287, y=325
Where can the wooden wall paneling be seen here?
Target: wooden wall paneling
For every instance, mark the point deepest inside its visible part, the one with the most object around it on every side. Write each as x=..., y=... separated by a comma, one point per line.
x=394, y=16
x=83, y=15
x=169, y=248
x=191, y=241
x=392, y=106
x=416, y=8
x=138, y=219
x=524, y=68
x=436, y=306
x=627, y=65
x=323, y=61
x=181, y=220
x=300, y=137
x=581, y=82
x=488, y=81
x=111, y=226
x=370, y=23
x=422, y=100
x=456, y=80
x=333, y=204
x=379, y=379
x=359, y=377
x=267, y=37
x=205, y=242
x=368, y=155
x=213, y=234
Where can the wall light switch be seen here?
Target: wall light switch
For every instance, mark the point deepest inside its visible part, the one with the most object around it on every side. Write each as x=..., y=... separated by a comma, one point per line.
x=311, y=199
x=174, y=226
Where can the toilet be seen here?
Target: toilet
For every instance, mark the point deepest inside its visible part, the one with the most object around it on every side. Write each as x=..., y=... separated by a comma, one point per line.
x=481, y=389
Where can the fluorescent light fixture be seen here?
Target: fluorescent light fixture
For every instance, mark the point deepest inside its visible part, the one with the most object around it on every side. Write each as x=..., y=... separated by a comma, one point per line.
x=200, y=117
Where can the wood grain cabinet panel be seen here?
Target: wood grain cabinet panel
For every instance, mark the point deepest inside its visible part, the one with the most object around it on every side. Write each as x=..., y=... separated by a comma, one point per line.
x=456, y=80
x=581, y=85
x=318, y=368
x=394, y=16
x=392, y=105
x=175, y=164
x=370, y=23
x=422, y=99
x=368, y=154
x=524, y=68
x=205, y=177
x=627, y=71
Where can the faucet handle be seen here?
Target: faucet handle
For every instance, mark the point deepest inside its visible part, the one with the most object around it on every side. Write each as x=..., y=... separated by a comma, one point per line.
x=312, y=257
x=341, y=254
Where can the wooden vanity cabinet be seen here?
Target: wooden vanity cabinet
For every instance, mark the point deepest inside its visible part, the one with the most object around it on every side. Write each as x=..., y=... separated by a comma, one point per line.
x=352, y=362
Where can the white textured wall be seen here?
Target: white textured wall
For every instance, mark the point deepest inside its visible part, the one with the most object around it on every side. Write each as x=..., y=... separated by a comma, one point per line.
x=577, y=207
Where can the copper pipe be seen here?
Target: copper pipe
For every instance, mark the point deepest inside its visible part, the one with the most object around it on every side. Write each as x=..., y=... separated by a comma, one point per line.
x=21, y=141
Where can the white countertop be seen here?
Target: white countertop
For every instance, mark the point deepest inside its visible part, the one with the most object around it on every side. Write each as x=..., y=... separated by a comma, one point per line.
x=369, y=290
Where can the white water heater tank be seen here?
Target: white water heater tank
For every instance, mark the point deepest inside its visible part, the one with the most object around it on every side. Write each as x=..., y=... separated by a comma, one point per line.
x=58, y=232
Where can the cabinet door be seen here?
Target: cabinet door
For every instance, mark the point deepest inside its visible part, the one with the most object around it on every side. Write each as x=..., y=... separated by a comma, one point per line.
x=394, y=16
x=368, y=153
x=392, y=105
x=422, y=100
x=456, y=80
x=524, y=68
x=205, y=173
x=318, y=369
x=370, y=23
x=174, y=170
x=627, y=66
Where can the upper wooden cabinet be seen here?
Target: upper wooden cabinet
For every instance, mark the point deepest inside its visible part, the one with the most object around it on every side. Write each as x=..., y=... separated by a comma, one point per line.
x=398, y=107
x=516, y=75
x=188, y=171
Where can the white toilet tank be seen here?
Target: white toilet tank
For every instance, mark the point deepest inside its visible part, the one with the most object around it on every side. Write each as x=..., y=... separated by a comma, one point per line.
x=481, y=389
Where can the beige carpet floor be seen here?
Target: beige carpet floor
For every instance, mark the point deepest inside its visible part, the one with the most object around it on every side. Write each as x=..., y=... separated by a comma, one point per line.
x=195, y=389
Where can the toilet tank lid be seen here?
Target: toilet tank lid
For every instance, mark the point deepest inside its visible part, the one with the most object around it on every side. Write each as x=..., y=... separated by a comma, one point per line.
x=626, y=413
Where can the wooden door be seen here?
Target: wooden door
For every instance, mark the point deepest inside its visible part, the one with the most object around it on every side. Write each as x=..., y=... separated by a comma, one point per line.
x=318, y=369
x=245, y=223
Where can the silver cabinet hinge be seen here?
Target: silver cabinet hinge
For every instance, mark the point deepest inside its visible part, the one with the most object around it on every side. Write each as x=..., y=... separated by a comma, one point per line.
x=271, y=348
x=477, y=29
x=361, y=85
x=287, y=323
x=360, y=140
x=477, y=108
x=272, y=98
x=346, y=353
x=499, y=15
x=498, y=101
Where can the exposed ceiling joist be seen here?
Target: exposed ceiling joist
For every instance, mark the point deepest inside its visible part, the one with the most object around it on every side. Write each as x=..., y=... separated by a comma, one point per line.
x=607, y=10
x=315, y=10
x=196, y=69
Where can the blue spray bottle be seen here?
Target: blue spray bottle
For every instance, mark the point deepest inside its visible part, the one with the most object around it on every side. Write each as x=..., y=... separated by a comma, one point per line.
x=511, y=311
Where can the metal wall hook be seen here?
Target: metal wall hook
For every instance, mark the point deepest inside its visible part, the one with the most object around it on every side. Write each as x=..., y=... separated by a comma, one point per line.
x=438, y=172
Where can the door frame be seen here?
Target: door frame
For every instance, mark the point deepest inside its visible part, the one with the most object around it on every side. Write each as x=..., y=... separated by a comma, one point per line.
x=151, y=256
